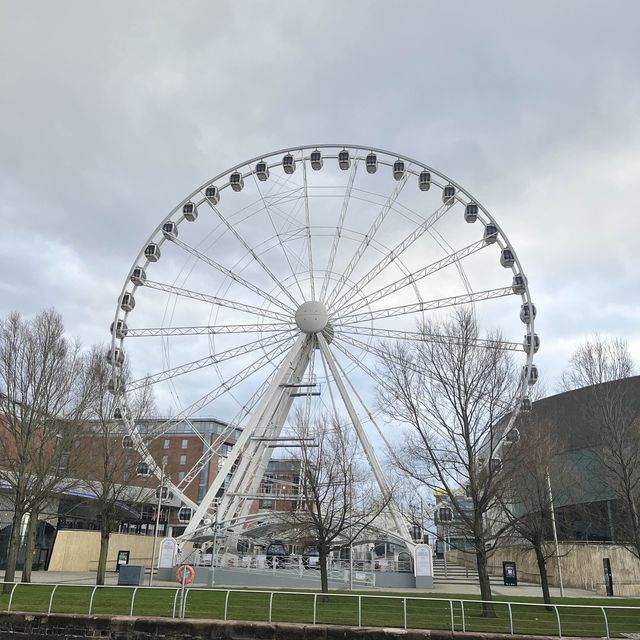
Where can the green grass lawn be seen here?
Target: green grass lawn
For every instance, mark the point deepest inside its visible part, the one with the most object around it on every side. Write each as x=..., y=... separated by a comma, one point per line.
x=423, y=611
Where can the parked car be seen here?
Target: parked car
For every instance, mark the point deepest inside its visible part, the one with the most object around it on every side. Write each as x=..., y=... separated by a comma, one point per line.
x=311, y=558
x=277, y=554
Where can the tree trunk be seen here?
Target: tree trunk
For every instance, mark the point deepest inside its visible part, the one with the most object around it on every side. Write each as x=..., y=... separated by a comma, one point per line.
x=102, y=558
x=483, y=577
x=12, y=550
x=544, y=577
x=324, y=571
x=29, y=547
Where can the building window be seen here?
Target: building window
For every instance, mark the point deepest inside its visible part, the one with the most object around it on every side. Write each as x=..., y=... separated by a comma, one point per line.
x=165, y=459
x=126, y=475
x=180, y=476
x=167, y=443
x=183, y=459
x=185, y=444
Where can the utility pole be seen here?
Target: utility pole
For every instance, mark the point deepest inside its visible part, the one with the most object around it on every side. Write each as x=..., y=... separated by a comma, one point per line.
x=555, y=533
x=155, y=533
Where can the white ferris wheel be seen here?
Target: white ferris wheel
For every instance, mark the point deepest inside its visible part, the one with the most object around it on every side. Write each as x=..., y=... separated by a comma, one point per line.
x=272, y=285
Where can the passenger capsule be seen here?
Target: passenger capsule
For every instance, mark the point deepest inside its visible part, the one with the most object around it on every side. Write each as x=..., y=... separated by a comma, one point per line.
x=184, y=515
x=507, y=259
x=236, y=181
x=490, y=233
x=115, y=356
x=371, y=163
x=127, y=442
x=527, y=312
x=424, y=180
x=316, y=160
x=138, y=276
x=170, y=230
x=530, y=373
x=262, y=171
x=128, y=302
x=143, y=470
x=513, y=435
x=212, y=194
x=190, y=211
x=120, y=329
x=398, y=169
x=471, y=212
x=518, y=284
x=152, y=252
x=495, y=465
x=343, y=160
x=449, y=194
x=117, y=414
x=525, y=405
x=288, y=164
x=531, y=341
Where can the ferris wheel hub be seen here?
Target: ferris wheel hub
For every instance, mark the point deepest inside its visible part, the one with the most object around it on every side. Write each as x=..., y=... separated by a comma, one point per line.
x=312, y=317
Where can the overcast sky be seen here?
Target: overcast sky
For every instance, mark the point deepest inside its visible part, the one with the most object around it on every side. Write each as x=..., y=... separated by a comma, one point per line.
x=112, y=112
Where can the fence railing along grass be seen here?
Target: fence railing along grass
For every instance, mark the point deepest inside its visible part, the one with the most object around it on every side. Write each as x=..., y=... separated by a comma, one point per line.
x=371, y=610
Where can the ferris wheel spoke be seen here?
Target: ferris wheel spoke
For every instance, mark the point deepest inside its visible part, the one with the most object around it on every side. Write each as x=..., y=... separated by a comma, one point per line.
x=208, y=330
x=267, y=208
x=428, y=305
x=236, y=234
x=392, y=255
x=221, y=302
x=416, y=336
x=221, y=389
x=201, y=363
x=339, y=226
x=230, y=274
x=308, y=228
x=366, y=241
x=412, y=278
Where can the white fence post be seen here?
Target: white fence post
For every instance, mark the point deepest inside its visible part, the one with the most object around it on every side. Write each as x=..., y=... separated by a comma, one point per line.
x=315, y=602
x=51, y=599
x=510, y=618
x=558, y=619
x=226, y=604
x=270, y=605
x=175, y=601
x=606, y=622
x=359, y=611
x=93, y=593
x=453, y=625
x=404, y=611
x=15, y=584
x=133, y=599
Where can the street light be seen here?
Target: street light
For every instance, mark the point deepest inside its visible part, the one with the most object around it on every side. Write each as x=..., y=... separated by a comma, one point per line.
x=555, y=532
x=155, y=532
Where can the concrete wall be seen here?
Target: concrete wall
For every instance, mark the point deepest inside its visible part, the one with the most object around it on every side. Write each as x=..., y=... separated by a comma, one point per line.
x=79, y=550
x=581, y=566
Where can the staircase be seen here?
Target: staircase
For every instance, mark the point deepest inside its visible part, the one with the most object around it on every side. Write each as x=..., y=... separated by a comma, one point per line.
x=457, y=574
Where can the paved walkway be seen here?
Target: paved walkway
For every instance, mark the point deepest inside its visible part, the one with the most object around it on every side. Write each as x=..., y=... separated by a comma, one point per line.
x=89, y=578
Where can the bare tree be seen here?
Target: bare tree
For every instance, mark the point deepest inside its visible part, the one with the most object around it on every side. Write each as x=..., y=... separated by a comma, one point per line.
x=338, y=501
x=528, y=502
x=610, y=406
x=43, y=395
x=452, y=395
x=110, y=472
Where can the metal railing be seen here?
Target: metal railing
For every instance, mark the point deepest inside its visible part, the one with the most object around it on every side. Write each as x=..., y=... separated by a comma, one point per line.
x=371, y=610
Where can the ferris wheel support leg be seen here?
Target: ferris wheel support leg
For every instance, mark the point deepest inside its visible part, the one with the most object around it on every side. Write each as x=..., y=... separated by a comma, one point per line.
x=255, y=464
x=266, y=402
x=378, y=473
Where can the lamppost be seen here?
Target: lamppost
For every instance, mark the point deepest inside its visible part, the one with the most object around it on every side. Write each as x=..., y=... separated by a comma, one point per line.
x=213, y=551
x=555, y=532
x=155, y=532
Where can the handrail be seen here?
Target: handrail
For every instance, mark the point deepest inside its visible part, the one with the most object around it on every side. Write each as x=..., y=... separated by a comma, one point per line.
x=602, y=620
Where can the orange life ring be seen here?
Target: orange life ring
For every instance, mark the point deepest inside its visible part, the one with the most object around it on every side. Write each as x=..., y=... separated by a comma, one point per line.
x=185, y=574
